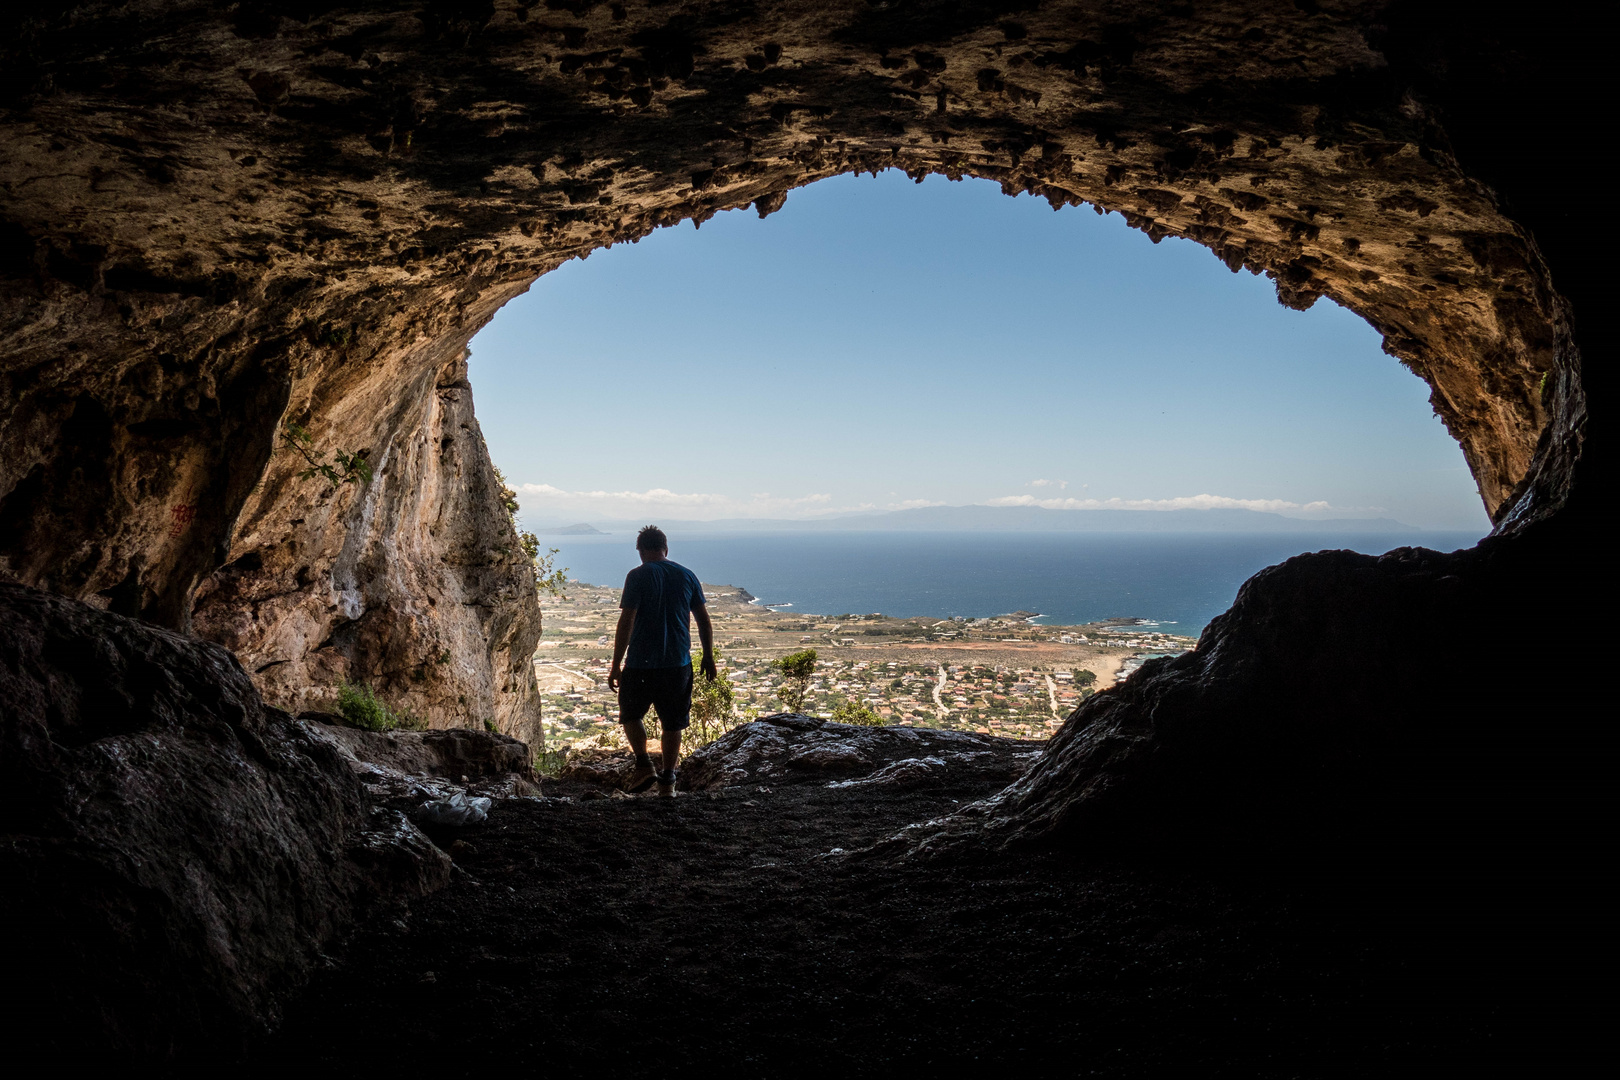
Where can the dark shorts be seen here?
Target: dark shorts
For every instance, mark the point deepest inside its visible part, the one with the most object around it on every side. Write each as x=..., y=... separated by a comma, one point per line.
x=667, y=689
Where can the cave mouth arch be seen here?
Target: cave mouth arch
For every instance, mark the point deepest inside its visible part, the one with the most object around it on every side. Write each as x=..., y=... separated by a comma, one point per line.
x=943, y=339
x=362, y=188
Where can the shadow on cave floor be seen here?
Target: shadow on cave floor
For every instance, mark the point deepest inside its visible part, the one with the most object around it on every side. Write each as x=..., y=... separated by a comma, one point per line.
x=572, y=942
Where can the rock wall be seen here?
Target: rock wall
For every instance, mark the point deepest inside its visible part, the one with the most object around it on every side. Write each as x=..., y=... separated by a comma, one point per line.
x=176, y=858
x=1296, y=726
x=424, y=591
x=218, y=219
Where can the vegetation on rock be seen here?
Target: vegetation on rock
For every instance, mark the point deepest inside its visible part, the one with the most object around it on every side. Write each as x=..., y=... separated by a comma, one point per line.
x=849, y=711
x=546, y=577
x=714, y=709
x=362, y=709
x=343, y=468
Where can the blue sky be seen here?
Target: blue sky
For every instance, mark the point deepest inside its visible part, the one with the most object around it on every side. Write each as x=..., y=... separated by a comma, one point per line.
x=879, y=344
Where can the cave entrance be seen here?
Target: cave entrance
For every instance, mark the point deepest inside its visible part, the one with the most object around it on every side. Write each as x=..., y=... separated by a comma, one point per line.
x=880, y=346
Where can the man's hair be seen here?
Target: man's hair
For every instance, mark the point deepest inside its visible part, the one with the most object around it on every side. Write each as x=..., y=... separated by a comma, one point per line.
x=652, y=538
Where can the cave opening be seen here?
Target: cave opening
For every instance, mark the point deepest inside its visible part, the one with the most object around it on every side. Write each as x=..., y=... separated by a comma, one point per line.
x=841, y=345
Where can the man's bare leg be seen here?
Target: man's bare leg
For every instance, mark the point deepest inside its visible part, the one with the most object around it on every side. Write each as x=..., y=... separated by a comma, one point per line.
x=635, y=733
x=672, y=758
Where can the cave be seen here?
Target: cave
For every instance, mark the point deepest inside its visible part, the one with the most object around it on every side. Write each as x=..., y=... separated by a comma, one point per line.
x=224, y=222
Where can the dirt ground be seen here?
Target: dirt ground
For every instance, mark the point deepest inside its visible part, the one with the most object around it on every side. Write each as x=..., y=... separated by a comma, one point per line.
x=714, y=933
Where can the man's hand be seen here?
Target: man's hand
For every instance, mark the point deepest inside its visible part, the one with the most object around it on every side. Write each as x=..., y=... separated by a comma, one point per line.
x=621, y=641
x=700, y=615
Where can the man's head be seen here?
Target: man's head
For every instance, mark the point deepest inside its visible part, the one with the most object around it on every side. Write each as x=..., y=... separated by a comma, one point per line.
x=652, y=543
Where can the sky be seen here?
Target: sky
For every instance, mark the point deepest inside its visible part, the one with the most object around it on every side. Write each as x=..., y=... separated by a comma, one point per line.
x=879, y=344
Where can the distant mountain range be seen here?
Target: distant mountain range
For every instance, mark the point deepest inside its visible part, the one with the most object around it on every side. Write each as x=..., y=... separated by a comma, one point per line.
x=1012, y=519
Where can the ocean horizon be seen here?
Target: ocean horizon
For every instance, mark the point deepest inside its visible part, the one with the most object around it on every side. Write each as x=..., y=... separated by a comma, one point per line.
x=1180, y=580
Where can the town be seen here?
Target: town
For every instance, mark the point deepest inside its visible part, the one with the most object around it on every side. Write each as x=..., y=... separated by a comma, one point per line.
x=1003, y=675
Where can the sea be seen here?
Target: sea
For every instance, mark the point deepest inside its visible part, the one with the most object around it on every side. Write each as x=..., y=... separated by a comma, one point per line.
x=1178, y=580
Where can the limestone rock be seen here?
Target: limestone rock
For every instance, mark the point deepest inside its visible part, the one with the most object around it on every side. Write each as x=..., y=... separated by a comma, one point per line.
x=795, y=749
x=597, y=765
x=177, y=857
x=454, y=753
x=404, y=770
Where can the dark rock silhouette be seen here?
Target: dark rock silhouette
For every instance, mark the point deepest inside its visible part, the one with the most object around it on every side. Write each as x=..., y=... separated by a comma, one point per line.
x=177, y=856
x=1342, y=696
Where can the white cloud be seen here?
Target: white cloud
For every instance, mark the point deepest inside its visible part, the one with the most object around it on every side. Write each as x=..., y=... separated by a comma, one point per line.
x=1059, y=484
x=549, y=501
x=1187, y=502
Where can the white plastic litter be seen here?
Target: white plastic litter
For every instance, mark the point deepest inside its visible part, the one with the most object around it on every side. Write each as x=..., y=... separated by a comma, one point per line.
x=456, y=810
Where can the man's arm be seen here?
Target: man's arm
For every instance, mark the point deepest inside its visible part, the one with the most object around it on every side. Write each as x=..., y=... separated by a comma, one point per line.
x=621, y=641
x=700, y=615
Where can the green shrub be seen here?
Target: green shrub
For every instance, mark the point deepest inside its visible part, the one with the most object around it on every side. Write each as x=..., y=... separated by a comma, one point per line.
x=409, y=721
x=550, y=762
x=849, y=711
x=360, y=707
x=714, y=710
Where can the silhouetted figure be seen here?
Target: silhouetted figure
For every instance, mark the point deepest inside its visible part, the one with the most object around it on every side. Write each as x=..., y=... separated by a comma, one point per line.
x=654, y=643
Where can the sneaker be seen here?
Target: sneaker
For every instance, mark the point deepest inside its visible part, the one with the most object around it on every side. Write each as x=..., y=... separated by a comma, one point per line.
x=640, y=777
x=666, y=785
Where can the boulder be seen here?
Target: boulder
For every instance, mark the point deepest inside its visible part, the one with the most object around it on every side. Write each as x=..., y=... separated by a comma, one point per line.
x=1297, y=726
x=794, y=749
x=177, y=857
x=405, y=770
x=455, y=753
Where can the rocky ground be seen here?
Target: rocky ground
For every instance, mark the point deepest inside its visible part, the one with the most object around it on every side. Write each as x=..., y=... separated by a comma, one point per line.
x=742, y=929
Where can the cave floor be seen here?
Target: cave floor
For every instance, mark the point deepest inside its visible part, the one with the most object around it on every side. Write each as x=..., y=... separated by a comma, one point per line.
x=711, y=932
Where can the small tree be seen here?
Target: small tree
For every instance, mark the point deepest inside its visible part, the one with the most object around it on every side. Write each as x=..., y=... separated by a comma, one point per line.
x=849, y=711
x=797, y=670
x=714, y=710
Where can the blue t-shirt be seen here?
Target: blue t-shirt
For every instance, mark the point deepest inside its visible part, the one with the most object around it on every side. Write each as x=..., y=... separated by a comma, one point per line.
x=663, y=594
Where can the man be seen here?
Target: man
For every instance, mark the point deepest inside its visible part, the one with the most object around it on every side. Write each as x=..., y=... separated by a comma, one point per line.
x=654, y=643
